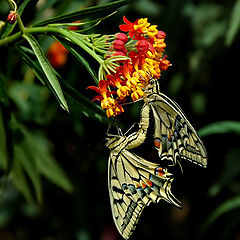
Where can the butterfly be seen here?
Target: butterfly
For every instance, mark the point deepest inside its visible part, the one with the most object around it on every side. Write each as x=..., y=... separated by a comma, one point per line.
x=174, y=137
x=134, y=183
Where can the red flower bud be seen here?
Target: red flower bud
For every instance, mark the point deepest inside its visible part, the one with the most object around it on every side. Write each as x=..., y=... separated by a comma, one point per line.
x=118, y=53
x=121, y=36
x=118, y=45
x=12, y=16
x=160, y=35
x=142, y=45
x=164, y=63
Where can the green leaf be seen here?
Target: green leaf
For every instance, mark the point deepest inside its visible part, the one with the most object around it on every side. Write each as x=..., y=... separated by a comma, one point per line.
x=48, y=71
x=228, y=205
x=95, y=12
x=25, y=156
x=87, y=107
x=229, y=174
x=8, y=28
x=234, y=24
x=79, y=58
x=91, y=109
x=6, y=140
x=33, y=64
x=37, y=149
x=221, y=127
x=46, y=164
x=3, y=150
x=20, y=181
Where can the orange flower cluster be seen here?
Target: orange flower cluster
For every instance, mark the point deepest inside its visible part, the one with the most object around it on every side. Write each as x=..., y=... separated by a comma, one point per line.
x=144, y=46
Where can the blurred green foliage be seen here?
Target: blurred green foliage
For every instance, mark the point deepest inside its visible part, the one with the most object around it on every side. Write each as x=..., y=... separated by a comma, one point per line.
x=42, y=146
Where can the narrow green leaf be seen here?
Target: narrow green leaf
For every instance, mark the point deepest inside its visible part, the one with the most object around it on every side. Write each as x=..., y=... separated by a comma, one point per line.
x=95, y=12
x=90, y=109
x=234, y=24
x=34, y=65
x=47, y=165
x=220, y=128
x=6, y=117
x=229, y=174
x=26, y=158
x=48, y=71
x=223, y=208
x=37, y=147
x=20, y=181
x=85, y=105
x=79, y=58
x=3, y=151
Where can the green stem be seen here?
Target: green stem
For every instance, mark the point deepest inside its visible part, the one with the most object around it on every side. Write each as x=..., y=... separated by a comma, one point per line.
x=54, y=31
x=13, y=38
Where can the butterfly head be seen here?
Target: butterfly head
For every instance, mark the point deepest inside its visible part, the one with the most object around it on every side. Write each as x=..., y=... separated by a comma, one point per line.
x=153, y=86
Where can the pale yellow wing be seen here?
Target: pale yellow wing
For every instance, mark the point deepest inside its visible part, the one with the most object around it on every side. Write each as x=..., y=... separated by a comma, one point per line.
x=133, y=184
x=174, y=136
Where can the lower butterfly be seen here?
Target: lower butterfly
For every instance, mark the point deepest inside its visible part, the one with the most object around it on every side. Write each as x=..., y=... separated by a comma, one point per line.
x=134, y=183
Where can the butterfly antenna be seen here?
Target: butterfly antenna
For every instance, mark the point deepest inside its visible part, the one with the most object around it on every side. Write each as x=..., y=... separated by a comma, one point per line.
x=130, y=128
x=178, y=162
x=119, y=131
x=108, y=129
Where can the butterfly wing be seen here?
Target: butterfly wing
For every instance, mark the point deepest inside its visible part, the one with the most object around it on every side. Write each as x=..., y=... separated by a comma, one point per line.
x=174, y=136
x=133, y=184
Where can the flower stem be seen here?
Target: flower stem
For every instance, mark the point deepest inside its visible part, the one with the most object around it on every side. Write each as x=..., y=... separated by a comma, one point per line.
x=13, y=38
x=53, y=31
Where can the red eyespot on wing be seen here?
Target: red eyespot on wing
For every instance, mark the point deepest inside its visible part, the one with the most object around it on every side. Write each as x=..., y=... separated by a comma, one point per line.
x=157, y=143
x=160, y=171
x=149, y=183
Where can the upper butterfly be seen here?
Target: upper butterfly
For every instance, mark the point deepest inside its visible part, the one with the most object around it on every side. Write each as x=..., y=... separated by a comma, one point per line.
x=174, y=136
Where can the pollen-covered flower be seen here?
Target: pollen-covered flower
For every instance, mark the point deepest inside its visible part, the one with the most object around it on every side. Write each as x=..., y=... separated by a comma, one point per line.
x=152, y=31
x=132, y=82
x=142, y=24
x=137, y=94
x=123, y=90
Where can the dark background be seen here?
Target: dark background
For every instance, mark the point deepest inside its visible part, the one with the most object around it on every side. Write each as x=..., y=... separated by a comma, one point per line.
x=203, y=80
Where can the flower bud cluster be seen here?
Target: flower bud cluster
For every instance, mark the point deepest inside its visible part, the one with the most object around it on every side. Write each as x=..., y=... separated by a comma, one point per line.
x=143, y=45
